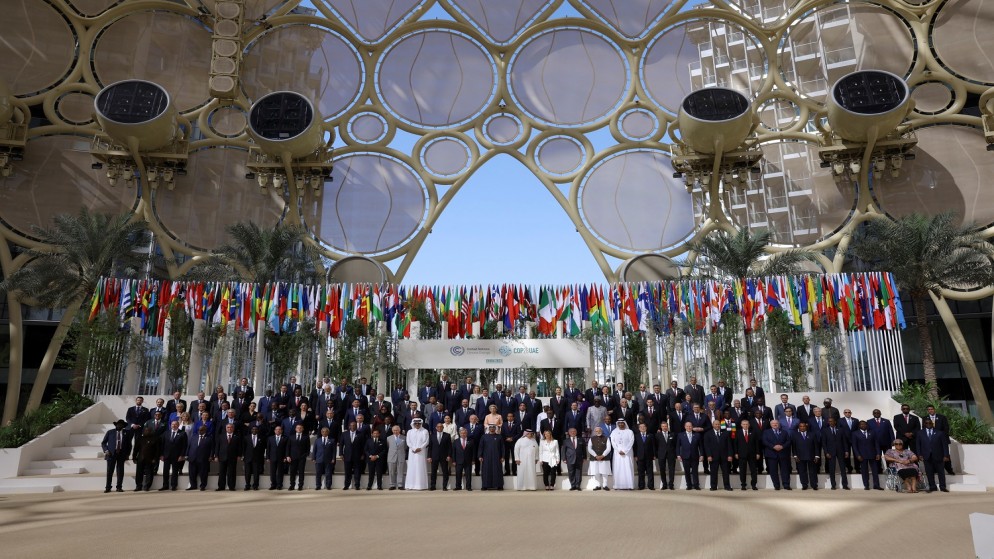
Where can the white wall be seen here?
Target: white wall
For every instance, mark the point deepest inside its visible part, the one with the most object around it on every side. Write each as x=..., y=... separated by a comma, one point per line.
x=15, y=460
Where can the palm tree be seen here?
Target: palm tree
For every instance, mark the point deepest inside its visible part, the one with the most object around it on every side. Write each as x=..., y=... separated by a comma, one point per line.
x=259, y=255
x=743, y=255
x=80, y=249
x=927, y=254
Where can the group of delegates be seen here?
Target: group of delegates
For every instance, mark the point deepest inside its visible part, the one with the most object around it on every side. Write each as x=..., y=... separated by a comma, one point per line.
x=624, y=437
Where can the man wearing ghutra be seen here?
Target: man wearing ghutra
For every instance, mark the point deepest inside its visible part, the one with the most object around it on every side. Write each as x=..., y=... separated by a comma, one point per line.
x=526, y=457
x=417, y=465
x=622, y=441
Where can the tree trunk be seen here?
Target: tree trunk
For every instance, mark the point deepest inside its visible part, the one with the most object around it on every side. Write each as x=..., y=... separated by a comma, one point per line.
x=925, y=341
x=48, y=362
x=969, y=366
x=16, y=359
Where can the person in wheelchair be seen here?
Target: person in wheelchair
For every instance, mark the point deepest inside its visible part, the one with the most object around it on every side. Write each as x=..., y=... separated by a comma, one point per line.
x=904, y=463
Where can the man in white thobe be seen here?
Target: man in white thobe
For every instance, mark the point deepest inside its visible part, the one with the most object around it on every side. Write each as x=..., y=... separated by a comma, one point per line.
x=526, y=457
x=622, y=440
x=417, y=464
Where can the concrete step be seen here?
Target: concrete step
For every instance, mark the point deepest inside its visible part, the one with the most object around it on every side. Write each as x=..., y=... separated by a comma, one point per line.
x=967, y=487
x=65, y=452
x=29, y=485
x=95, y=429
x=85, y=439
x=54, y=471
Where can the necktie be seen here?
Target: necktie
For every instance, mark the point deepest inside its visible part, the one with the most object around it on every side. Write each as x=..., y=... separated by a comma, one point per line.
x=352, y=436
x=201, y=441
x=255, y=440
x=930, y=433
x=119, y=437
x=833, y=430
x=746, y=435
x=277, y=440
x=229, y=439
x=643, y=438
x=173, y=438
x=804, y=435
x=464, y=444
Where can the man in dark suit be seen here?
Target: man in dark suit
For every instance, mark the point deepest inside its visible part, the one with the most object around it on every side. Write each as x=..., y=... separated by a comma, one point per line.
x=677, y=418
x=748, y=451
x=757, y=390
x=453, y=399
x=174, y=403
x=884, y=431
x=324, y=456
x=726, y=393
x=253, y=457
x=298, y=449
x=666, y=456
x=593, y=392
x=266, y=403
x=174, y=443
x=695, y=390
x=645, y=454
x=574, y=453
x=509, y=434
x=376, y=460
x=554, y=424
x=783, y=406
x=651, y=415
x=293, y=386
x=829, y=411
x=701, y=423
x=444, y=384
x=276, y=455
x=835, y=445
x=716, y=397
x=933, y=449
x=941, y=424
x=776, y=450
x=748, y=401
x=719, y=452
x=675, y=394
x=439, y=456
x=148, y=451
x=849, y=425
x=462, y=414
x=116, y=445
x=397, y=395
x=805, y=445
x=907, y=426
x=198, y=457
x=464, y=456
x=559, y=403
x=806, y=409
x=227, y=450
x=483, y=403
x=467, y=388
x=244, y=390
x=364, y=388
x=625, y=411
x=688, y=448
x=573, y=418
x=426, y=392
x=866, y=450
x=571, y=392
x=352, y=445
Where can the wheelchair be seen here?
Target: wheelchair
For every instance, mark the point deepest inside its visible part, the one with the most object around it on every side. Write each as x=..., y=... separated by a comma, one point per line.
x=894, y=482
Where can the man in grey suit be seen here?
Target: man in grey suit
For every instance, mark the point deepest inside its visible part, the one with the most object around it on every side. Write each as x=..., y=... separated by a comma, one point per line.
x=574, y=452
x=396, y=458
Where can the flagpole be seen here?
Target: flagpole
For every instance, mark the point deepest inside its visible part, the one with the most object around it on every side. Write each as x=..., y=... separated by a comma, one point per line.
x=196, y=369
x=846, y=358
x=259, y=366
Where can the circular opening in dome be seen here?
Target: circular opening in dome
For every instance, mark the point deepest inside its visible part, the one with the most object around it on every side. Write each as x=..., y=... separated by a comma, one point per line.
x=281, y=115
x=132, y=102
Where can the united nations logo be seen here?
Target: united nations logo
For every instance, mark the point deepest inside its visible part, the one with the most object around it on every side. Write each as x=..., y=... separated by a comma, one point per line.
x=457, y=350
x=504, y=350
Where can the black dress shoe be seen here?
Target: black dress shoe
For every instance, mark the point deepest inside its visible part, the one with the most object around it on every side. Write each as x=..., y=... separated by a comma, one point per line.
x=106, y=490
x=607, y=489
x=393, y=489
x=754, y=488
x=119, y=490
x=163, y=489
x=944, y=490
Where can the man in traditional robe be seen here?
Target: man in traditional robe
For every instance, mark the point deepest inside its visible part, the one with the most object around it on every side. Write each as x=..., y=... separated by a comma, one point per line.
x=623, y=465
x=491, y=455
x=417, y=465
x=526, y=457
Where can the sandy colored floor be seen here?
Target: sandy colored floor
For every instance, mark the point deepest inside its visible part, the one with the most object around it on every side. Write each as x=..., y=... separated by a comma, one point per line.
x=549, y=524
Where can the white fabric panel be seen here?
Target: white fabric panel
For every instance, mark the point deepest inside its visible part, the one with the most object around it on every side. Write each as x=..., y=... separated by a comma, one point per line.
x=368, y=127
x=502, y=21
x=503, y=129
x=372, y=204
x=436, y=78
x=372, y=19
x=560, y=155
x=632, y=201
x=631, y=18
x=37, y=46
x=569, y=77
x=314, y=62
x=446, y=157
x=638, y=124
x=959, y=27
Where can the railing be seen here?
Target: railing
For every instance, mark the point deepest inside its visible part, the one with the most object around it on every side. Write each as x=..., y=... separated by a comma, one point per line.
x=847, y=54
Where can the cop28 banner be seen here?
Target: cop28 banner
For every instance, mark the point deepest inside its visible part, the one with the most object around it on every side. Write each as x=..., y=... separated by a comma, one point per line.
x=492, y=354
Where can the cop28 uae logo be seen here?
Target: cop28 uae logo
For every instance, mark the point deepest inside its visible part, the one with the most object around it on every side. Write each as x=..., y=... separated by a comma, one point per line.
x=457, y=350
x=505, y=350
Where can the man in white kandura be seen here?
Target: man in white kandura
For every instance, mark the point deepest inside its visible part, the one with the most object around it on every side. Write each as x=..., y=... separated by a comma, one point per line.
x=526, y=457
x=622, y=440
x=417, y=464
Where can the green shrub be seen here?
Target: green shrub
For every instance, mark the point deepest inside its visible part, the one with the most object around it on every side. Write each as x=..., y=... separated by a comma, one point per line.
x=962, y=427
x=21, y=430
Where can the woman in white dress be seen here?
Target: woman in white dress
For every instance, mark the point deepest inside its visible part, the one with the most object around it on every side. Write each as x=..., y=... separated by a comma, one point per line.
x=599, y=467
x=622, y=440
x=526, y=457
x=417, y=465
x=548, y=454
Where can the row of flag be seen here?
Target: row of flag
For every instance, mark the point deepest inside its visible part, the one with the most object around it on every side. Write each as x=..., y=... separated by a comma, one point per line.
x=864, y=300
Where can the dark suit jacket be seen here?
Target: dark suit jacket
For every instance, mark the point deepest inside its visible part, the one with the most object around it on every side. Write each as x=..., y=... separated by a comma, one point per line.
x=224, y=451
x=463, y=456
x=676, y=423
x=651, y=419
x=171, y=406
x=883, y=431
x=699, y=421
x=557, y=429
x=804, y=414
x=559, y=406
x=645, y=450
x=835, y=444
x=629, y=416
x=574, y=457
x=665, y=445
x=813, y=424
x=748, y=449
x=199, y=451
x=352, y=450
x=571, y=421
x=375, y=447
x=719, y=401
x=453, y=400
x=297, y=450
x=483, y=407
x=465, y=391
x=276, y=452
x=934, y=448
x=901, y=426
x=771, y=439
x=109, y=443
x=254, y=454
x=426, y=392
x=688, y=449
x=717, y=447
x=174, y=447
x=439, y=451
x=461, y=418
x=864, y=446
x=696, y=392
x=940, y=423
x=726, y=395
x=806, y=446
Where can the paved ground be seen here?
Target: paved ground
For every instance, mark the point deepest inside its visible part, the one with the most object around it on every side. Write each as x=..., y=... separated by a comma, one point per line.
x=435, y=524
